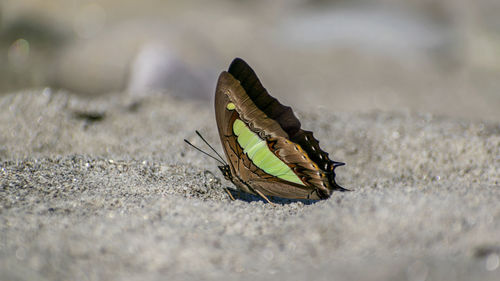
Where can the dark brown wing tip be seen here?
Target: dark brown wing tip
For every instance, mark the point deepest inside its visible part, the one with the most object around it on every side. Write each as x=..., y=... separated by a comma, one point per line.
x=341, y=189
x=241, y=70
x=337, y=164
x=337, y=187
x=238, y=63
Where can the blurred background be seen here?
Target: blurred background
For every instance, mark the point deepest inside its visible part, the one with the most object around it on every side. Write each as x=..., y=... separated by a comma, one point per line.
x=437, y=56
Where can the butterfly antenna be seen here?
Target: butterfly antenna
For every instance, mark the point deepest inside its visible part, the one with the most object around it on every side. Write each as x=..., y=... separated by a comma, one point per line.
x=198, y=133
x=223, y=163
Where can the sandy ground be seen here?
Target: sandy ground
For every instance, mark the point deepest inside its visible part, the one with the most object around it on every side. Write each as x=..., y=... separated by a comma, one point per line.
x=105, y=189
x=101, y=186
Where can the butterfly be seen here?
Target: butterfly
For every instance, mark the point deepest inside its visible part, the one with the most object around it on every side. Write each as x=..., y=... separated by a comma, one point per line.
x=268, y=153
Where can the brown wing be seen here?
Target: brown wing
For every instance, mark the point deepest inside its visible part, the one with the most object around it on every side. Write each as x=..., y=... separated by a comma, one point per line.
x=245, y=175
x=286, y=120
x=280, y=128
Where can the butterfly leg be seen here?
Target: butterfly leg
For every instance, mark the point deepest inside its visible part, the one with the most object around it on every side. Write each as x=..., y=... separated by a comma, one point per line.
x=229, y=193
x=263, y=196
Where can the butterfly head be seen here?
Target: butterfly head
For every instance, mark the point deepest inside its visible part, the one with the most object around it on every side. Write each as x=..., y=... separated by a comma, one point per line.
x=226, y=172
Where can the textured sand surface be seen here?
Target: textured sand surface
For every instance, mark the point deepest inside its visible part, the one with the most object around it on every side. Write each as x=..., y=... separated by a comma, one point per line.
x=106, y=189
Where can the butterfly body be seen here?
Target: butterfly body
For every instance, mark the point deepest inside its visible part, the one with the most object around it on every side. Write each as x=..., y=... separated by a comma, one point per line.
x=267, y=151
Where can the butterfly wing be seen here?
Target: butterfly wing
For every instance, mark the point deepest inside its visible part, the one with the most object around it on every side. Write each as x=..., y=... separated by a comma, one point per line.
x=245, y=174
x=246, y=113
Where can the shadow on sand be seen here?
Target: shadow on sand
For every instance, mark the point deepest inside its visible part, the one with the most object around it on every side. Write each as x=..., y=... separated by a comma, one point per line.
x=247, y=197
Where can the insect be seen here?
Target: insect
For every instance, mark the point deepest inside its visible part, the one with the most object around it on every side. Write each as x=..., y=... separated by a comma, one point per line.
x=268, y=153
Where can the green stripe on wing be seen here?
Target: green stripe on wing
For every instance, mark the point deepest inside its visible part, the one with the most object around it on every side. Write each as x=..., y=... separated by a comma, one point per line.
x=261, y=156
